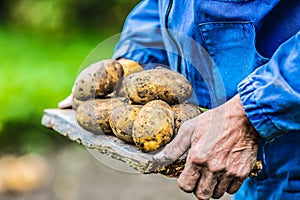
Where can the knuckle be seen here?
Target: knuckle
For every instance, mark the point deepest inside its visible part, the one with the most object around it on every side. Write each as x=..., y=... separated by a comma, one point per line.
x=184, y=187
x=204, y=193
x=236, y=175
x=193, y=158
x=233, y=173
x=216, y=168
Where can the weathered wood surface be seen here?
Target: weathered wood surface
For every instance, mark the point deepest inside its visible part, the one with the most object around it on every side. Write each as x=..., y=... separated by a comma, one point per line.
x=64, y=122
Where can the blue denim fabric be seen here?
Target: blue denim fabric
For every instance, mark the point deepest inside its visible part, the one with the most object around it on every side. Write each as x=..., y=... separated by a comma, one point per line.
x=229, y=47
x=280, y=177
x=271, y=94
x=144, y=40
x=141, y=38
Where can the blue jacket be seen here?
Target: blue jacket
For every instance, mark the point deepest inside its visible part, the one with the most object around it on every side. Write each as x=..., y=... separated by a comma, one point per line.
x=225, y=47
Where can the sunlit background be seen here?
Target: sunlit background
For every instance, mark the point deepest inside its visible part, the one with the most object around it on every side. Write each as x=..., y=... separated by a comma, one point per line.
x=43, y=43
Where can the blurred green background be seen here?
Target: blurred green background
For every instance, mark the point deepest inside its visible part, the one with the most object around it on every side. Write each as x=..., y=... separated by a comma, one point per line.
x=43, y=43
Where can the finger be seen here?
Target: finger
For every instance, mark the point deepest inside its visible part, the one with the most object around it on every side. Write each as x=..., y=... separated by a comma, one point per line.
x=178, y=146
x=234, y=186
x=206, y=185
x=221, y=187
x=66, y=103
x=188, y=179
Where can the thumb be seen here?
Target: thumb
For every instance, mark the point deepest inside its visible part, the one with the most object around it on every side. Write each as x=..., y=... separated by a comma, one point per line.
x=178, y=146
x=66, y=103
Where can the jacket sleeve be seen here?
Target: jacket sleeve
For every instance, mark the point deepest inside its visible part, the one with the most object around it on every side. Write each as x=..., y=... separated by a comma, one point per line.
x=141, y=38
x=271, y=94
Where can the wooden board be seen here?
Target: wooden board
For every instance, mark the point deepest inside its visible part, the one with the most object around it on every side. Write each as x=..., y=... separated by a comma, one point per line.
x=64, y=122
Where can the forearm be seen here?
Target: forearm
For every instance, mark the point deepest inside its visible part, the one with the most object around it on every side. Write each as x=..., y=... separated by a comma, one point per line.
x=271, y=94
x=141, y=39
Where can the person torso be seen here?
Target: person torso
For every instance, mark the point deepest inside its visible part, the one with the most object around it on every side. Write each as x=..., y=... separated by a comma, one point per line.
x=217, y=43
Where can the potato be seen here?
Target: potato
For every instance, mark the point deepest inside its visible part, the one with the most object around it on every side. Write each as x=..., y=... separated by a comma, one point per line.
x=76, y=103
x=184, y=112
x=121, y=121
x=98, y=80
x=153, y=126
x=121, y=90
x=159, y=83
x=93, y=115
x=130, y=67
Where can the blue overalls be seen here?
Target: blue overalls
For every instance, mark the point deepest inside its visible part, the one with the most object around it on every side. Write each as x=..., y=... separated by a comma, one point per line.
x=229, y=47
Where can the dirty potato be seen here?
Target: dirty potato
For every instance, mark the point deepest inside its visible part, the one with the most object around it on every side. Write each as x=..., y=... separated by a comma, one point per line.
x=76, y=103
x=98, y=80
x=153, y=127
x=121, y=121
x=93, y=115
x=121, y=90
x=184, y=112
x=159, y=83
x=130, y=67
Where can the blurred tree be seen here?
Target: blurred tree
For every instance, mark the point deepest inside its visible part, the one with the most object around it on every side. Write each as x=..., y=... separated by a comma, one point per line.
x=38, y=69
x=66, y=14
x=3, y=10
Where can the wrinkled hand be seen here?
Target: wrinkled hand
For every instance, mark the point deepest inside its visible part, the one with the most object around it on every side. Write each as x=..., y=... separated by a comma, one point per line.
x=223, y=149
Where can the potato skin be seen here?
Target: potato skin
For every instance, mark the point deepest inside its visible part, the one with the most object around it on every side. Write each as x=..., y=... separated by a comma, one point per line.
x=93, y=115
x=184, y=112
x=130, y=67
x=121, y=121
x=98, y=80
x=76, y=103
x=121, y=90
x=159, y=83
x=153, y=127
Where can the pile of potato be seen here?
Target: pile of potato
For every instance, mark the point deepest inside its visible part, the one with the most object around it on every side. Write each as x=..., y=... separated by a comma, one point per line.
x=142, y=107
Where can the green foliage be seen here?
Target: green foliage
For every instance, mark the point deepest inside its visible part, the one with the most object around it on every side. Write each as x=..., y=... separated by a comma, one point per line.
x=43, y=46
x=36, y=72
x=59, y=15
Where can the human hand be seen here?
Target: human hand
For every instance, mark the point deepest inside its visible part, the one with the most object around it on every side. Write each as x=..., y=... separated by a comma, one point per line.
x=66, y=103
x=223, y=149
